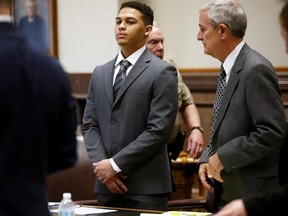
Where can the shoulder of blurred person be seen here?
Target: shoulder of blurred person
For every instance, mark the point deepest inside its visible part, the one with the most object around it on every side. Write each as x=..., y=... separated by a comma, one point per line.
x=38, y=120
x=38, y=85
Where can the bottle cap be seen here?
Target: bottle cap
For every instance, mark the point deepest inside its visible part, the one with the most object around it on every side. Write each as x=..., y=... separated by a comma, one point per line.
x=66, y=195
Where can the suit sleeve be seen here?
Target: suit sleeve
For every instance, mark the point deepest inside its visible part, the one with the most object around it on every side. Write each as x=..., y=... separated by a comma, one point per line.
x=90, y=126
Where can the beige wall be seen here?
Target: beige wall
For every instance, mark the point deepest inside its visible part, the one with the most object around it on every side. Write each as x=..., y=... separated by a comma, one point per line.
x=86, y=32
x=179, y=21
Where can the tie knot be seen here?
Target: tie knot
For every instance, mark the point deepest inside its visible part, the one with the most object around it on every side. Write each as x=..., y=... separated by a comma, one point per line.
x=124, y=64
x=222, y=73
x=121, y=75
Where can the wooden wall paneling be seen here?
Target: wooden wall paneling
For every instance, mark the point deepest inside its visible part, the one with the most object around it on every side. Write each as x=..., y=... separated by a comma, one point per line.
x=201, y=84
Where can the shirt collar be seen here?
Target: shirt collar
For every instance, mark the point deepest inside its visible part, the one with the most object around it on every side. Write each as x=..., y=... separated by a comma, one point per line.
x=230, y=60
x=132, y=58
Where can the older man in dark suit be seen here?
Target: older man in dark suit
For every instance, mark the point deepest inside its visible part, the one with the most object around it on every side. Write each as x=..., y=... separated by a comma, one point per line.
x=250, y=122
x=273, y=200
x=38, y=121
x=126, y=134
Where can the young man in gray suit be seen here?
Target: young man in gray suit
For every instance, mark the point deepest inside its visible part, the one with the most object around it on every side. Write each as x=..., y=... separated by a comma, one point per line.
x=126, y=134
x=250, y=125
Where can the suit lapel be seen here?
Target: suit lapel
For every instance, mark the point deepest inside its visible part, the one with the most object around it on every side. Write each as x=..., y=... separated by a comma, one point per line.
x=140, y=65
x=108, y=80
x=231, y=85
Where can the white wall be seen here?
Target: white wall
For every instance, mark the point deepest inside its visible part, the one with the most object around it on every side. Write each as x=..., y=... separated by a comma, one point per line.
x=179, y=22
x=86, y=32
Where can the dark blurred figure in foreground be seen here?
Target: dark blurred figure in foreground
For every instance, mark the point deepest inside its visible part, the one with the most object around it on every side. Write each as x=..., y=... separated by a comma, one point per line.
x=38, y=121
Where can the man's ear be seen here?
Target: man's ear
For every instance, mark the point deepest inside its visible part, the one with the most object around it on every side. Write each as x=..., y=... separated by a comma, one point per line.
x=222, y=29
x=148, y=30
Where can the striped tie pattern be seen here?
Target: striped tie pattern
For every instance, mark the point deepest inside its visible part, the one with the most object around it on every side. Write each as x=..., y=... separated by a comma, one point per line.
x=121, y=76
x=219, y=94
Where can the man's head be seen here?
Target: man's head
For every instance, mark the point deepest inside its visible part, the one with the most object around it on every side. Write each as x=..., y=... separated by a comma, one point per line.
x=145, y=10
x=133, y=25
x=155, y=41
x=283, y=17
x=221, y=22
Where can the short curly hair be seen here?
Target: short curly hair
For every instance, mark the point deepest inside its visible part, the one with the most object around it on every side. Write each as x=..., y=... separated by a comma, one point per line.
x=147, y=12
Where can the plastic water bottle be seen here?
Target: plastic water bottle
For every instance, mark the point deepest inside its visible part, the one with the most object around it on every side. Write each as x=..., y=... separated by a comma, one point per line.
x=66, y=207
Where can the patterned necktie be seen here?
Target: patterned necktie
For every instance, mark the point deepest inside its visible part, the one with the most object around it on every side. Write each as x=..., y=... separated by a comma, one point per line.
x=121, y=76
x=219, y=94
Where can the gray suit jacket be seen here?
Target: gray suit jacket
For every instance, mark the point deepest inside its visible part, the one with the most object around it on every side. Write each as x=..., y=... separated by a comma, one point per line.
x=133, y=129
x=250, y=127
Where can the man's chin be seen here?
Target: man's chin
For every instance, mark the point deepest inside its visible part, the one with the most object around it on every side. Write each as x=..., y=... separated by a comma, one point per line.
x=159, y=55
x=206, y=52
x=121, y=42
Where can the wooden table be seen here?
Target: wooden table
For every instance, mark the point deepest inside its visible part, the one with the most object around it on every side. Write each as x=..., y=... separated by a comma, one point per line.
x=119, y=212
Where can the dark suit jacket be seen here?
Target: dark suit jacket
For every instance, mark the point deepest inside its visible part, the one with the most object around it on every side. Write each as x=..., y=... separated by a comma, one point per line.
x=134, y=129
x=38, y=122
x=250, y=127
x=272, y=200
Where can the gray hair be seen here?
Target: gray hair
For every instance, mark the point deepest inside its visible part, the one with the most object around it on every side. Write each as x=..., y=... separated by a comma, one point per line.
x=229, y=12
x=156, y=24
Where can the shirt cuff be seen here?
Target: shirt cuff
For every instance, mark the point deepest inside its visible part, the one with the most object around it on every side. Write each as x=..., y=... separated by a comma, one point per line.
x=114, y=165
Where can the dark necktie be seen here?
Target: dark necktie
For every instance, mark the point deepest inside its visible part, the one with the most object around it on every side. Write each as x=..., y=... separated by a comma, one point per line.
x=121, y=76
x=219, y=94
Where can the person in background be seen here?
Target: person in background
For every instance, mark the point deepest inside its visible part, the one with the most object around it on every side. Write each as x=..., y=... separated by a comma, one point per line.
x=243, y=154
x=34, y=26
x=38, y=121
x=273, y=201
x=126, y=131
x=186, y=106
x=187, y=109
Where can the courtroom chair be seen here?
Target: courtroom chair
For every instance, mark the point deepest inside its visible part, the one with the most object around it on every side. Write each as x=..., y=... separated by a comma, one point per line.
x=78, y=180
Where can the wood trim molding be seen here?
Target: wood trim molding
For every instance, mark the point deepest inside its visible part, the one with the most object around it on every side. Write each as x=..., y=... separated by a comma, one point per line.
x=201, y=82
